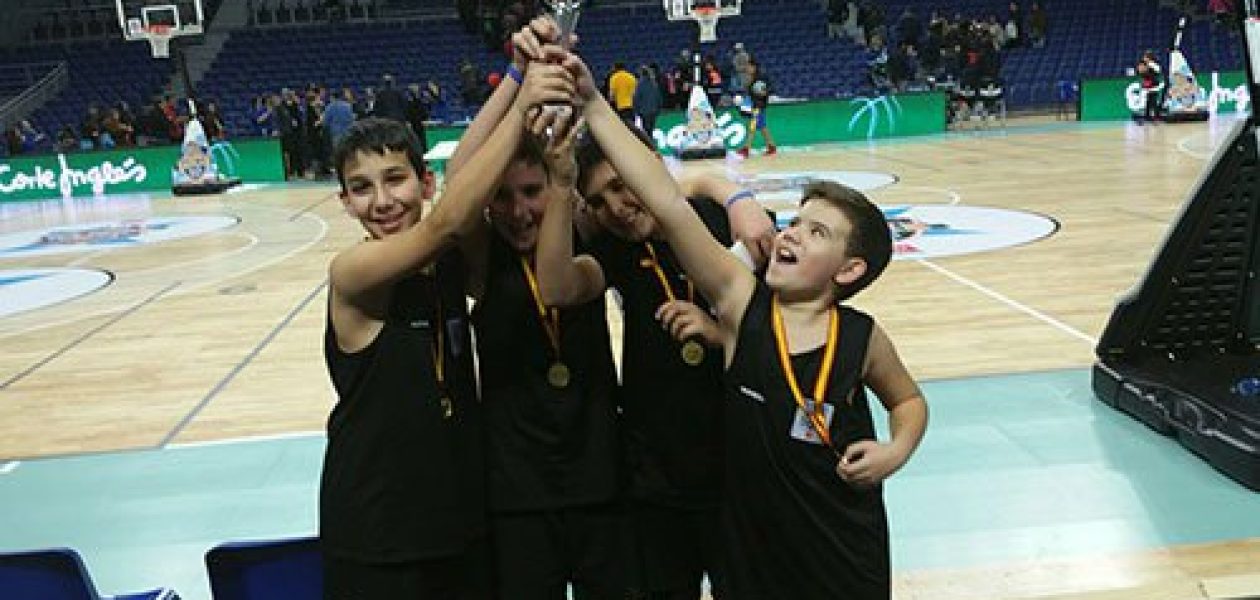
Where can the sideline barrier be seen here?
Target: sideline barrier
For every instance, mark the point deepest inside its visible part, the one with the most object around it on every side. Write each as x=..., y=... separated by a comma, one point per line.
x=129, y=170
x=1120, y=97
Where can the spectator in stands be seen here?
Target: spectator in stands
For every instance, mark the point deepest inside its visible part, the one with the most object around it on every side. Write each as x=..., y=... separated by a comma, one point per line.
x=122, y=134
x=418, y=114
x=390, y=101
x=1016, y=14
x=910, y=28
x=366, y=106
x=262, y=116
x=12, y=141
x=1012, y=32
x=1037, y=25
x=877, y=66
x=903, y=66
x=212, y=122
x=837, y=14
x=66, y=140
x=470, y=84
x=621, y=86
x=871, y=20
x=91, y=134
x=292, y=134
x=739, y=68
x=175, y=121
x=339, y=116
x=712, y=80
x=647, y=98
x=1222, y=11
x=318, y=157
x=32, y=139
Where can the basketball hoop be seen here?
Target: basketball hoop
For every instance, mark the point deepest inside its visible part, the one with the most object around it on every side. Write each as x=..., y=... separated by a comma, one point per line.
x=706, y=17
x=159, y=40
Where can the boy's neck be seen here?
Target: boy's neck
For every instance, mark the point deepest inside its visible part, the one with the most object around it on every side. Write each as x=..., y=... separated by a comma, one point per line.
x=803, y=309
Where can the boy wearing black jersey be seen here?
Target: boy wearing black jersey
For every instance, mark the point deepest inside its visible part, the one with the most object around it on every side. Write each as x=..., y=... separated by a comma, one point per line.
x=402, y=508
x=671, y=378
x=548, y=384
x=803, y=513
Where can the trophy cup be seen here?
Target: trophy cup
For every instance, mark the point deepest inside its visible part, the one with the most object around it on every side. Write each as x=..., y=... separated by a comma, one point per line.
x=565, y=13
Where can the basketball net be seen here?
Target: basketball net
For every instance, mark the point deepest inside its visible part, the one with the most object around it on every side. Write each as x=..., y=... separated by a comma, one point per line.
x=707, y=18
x=159, y=40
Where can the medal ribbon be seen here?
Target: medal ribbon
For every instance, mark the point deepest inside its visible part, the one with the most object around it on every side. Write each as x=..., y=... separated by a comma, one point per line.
x=439, y=346
x=550, y=318
x=817, y=417
x=660, y=275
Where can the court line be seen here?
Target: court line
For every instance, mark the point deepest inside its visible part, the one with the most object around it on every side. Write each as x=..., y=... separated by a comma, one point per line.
x=240, y=366
x=312, y=206
x=275, y=437
x=1028, y=310
x=191, y=287
x=9, y=467
x=90, y=333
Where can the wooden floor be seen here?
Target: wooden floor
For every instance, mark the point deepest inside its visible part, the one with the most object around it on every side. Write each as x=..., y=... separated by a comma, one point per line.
x=218, y=336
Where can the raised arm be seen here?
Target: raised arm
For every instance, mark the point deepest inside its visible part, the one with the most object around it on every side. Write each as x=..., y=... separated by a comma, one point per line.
x=718, y=274
x=749, y=221
x=563, y=279
x=527, y=47
x=381, y=261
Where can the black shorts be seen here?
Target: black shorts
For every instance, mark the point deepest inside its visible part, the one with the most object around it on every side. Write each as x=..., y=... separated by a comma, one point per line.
x=674, y=549
x=539, y=554
x=465, y=577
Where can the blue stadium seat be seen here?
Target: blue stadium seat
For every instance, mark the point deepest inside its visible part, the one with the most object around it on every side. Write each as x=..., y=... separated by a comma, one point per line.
x=57, y=574
x=289, y=569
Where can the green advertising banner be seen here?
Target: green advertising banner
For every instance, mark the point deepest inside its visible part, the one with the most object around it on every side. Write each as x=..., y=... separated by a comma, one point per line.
x=803, y=123
x=129, y=170
x=823, y=121
x=1121, y=97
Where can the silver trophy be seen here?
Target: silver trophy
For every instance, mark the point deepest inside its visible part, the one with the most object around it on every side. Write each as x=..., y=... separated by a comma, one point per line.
x=565, y=13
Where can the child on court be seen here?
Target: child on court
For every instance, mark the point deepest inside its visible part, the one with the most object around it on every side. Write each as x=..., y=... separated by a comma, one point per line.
x=803, y=513
x=548, y=383
x=671, y=380
x=402, y=500
x=759, y=96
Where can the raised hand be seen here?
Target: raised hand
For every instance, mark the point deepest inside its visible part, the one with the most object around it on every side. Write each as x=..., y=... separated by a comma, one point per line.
x=545, y=83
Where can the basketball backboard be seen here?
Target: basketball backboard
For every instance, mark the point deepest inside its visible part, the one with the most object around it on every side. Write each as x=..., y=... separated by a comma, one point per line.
x=157, y=21
x=704, y=12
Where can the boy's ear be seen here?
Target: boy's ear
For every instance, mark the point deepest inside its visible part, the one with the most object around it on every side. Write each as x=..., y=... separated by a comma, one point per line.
x=852, y=270
x=428, y=182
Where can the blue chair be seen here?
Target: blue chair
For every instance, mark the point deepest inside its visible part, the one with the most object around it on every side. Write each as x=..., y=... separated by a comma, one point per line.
x=57, y=574
x=289, y=569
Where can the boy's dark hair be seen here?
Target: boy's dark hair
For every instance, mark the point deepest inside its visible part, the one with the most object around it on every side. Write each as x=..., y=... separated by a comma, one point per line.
x=378, y=135
x=869, y=236
x=589, y=155
x=530, y=151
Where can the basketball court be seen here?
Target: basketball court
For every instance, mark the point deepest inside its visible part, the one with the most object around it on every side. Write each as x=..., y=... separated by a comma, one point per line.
x=162, y=388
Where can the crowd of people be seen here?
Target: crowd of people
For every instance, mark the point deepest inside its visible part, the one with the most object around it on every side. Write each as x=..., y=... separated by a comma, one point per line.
x=311, y=122
x=159, y=122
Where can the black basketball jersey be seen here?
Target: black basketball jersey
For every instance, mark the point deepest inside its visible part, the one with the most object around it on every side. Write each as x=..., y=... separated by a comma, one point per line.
x=404, y=475
x=672, y=412
x=793, y=527
x=547, y=447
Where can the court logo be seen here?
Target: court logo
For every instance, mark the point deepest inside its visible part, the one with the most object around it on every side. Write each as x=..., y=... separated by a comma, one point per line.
x=788, y=186
x=23, y=290
x=935, y=231
x=108, y=234
x=67, y=179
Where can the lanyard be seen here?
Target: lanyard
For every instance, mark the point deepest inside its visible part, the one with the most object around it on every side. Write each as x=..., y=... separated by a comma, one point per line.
x=550, y=318
x=660, y=276
x=816, y=416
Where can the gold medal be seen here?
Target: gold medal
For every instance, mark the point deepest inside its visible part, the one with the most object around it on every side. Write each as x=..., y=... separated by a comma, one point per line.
x=558, y=375
x=448, y=407
x=692, y=353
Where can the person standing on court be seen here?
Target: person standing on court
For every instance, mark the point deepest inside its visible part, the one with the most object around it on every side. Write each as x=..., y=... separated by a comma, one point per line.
x=402, y=494
x=803, y=510
x=548, y=382
x=621, y=86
